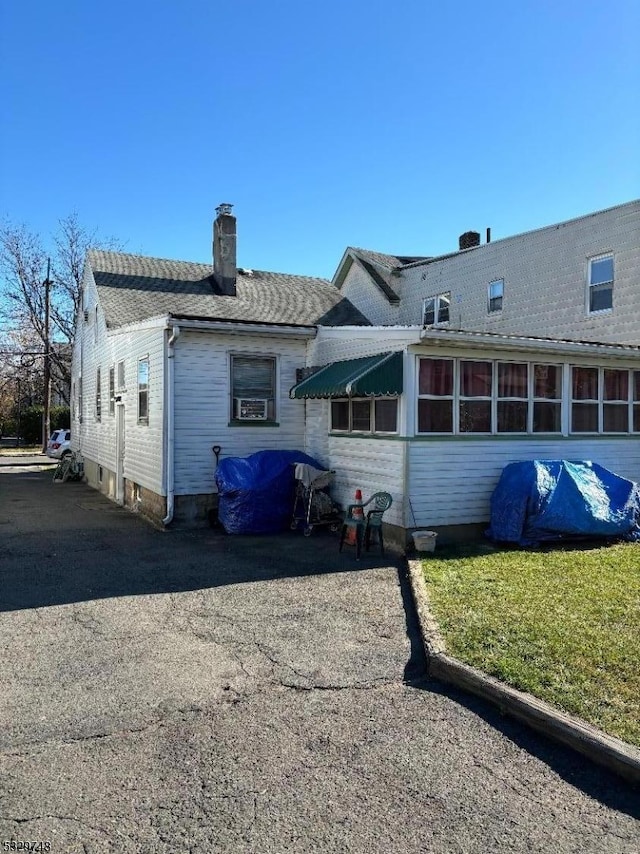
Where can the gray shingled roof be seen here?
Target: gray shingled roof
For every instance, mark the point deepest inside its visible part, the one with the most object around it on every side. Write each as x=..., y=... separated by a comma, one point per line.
x=382, y=268
x=133, y=288
x=392, y=262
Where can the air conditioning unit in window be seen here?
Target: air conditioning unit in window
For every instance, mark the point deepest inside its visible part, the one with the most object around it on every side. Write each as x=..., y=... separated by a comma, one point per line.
x=251, y=408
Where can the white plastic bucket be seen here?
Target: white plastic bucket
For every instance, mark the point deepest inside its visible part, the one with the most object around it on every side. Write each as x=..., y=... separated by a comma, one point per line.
x=424, y=541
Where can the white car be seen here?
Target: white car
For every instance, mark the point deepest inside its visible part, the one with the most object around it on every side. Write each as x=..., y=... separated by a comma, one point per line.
x=59, y=445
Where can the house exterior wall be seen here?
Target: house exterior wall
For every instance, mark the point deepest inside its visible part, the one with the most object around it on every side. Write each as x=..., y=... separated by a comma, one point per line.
x=202, y=404
x=452, y=479
x=95, y=439
x=359, y=289
x=545, y=281
x=374, y=463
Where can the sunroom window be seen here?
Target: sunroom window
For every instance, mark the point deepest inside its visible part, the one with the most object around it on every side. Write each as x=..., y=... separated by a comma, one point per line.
x=476, y=385
x=435, y=396
x=603, y=400
x=365, y=415
x=489, y=397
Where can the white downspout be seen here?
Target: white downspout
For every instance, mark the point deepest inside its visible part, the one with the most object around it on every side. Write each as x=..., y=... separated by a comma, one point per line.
x=170, y=424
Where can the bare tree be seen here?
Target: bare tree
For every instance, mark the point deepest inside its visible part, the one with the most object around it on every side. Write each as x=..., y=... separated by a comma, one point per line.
x=23, y=299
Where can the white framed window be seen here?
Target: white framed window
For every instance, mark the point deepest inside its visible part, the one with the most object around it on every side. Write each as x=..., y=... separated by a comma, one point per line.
x=547, y=399
x=364, y=415
x=112, y=390
x=143, y=390
x=435, y=395
x=604, y=400
x=488, y=396
x=512, y=406
x=121, y=376
x=495, y=294
x=253, y=388
x=98, y=395
x=476, y=390
x=600, y=283
x=436, y=310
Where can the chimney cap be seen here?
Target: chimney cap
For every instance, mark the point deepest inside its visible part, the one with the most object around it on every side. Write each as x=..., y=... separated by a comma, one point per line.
x=224, y=209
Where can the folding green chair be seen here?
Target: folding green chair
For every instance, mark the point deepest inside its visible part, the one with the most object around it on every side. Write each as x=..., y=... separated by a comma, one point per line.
x=366, y=522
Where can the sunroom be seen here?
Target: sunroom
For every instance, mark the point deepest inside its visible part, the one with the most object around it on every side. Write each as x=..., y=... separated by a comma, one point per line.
x=434, y=420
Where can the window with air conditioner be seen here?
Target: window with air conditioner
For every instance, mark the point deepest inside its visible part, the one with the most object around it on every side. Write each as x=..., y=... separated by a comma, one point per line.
x=253, y=389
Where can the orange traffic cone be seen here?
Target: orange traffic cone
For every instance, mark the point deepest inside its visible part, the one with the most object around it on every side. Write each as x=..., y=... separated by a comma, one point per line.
x=356, y=513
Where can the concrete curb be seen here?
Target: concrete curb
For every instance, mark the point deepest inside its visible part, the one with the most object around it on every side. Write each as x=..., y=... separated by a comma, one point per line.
x=606, y=750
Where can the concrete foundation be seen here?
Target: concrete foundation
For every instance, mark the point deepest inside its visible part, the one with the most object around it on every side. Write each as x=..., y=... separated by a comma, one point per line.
x=137, y=498
x=194, y=511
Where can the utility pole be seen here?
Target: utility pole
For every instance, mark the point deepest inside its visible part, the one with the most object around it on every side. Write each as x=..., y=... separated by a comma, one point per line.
x=46, y=414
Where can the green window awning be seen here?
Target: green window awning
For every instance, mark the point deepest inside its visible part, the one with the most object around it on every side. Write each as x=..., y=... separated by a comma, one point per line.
x=371, y=376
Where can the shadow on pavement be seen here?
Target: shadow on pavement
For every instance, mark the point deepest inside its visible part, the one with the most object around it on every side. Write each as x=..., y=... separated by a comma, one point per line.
x=67, y=543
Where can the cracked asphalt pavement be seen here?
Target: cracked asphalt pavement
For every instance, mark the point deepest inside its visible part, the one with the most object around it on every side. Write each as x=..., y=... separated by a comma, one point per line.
x=186, y=691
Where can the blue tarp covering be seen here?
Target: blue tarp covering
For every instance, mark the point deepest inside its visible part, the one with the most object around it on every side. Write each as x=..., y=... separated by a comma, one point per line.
x=257, y=492
x=543, y=500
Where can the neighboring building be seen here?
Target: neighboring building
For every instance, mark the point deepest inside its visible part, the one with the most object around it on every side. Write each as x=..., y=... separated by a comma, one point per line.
x=423, y=376
x=172, y=358
x=577, y=280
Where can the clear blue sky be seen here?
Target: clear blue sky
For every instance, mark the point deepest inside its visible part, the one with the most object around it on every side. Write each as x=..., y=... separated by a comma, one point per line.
x=390, y=126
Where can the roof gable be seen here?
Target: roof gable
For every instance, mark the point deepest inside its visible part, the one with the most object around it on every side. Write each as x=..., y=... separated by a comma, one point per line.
x=133, y=288
x=381, y=268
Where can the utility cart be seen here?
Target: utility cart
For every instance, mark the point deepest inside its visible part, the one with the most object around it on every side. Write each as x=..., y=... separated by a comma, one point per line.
x=313, y=505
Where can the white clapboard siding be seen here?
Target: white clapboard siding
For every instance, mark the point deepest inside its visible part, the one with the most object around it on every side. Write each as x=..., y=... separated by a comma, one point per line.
x=317, y=430
x=451, y=481
x=372, y=465
x=202, y=404
x=545, y=281
x=95, y=347
x=360, y=290
x=336, y=345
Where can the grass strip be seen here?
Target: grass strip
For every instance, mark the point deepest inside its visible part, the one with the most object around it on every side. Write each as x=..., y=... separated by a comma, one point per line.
x=561, y=624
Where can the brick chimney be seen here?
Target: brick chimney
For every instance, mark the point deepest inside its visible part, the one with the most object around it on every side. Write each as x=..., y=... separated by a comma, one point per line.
x=224, y=250
x=469, y=239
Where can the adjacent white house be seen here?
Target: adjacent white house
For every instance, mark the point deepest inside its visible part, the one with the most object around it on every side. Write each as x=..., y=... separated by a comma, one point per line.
x=575, y=280
x=419, y=376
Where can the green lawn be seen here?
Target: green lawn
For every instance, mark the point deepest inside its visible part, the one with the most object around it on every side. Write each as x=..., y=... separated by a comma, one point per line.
x=561, y=624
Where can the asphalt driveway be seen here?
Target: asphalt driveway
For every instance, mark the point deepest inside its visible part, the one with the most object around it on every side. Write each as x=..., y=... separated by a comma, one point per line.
x=188, y=691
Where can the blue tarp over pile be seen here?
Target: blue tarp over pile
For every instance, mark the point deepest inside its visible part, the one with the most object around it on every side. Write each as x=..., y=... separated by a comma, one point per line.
x=543, y=500
x=257, y=492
